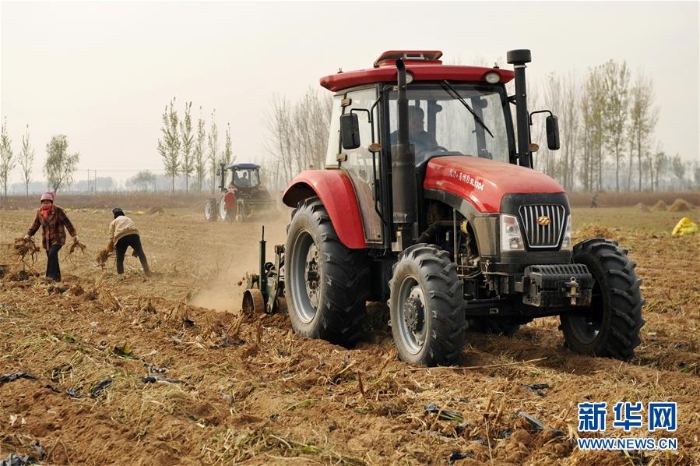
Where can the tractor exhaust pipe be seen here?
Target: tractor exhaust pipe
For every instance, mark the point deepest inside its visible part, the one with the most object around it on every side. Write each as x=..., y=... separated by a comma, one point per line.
x=222, y=176
x=403, y=169
x=518, y=58
x=263, y=286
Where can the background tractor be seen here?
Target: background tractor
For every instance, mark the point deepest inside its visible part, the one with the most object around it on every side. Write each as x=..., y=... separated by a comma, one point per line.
x=445, y=220
x=243, y=196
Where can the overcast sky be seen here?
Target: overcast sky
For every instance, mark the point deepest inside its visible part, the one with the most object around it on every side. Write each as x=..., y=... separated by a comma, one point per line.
x=102, y=72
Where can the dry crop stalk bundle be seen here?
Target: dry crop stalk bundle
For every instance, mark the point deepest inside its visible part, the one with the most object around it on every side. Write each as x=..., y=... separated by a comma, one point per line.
x=77, y=245
x=102, y=256
x=24, y=247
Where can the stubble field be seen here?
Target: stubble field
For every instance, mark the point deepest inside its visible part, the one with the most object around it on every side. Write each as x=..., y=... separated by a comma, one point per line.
x=102, y=369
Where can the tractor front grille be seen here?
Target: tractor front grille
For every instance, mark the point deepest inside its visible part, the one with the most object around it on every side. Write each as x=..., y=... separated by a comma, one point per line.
x=543, y=224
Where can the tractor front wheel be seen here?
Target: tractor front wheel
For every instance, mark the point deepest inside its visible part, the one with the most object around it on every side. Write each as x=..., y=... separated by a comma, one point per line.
x=610, y=326
x=425, y=304
x=326, y=283
x=224, y=213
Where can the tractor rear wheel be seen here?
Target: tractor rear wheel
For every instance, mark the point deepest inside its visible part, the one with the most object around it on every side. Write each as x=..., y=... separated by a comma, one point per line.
x=210, y=210
x=425, y=304
x=327, y=284
x=610, y=326
x=240, y=211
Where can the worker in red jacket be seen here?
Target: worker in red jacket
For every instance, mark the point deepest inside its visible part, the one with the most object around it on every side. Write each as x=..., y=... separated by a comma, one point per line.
x=54, y=222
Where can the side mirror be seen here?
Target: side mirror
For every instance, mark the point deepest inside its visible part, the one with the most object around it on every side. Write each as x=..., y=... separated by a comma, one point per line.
x=552, y=132
x=349, y=131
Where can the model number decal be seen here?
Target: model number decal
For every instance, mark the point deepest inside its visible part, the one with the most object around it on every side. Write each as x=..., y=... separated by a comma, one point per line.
x=466, y=178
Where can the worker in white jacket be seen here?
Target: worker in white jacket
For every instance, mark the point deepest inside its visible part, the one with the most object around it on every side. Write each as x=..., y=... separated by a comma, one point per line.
x=122, y=234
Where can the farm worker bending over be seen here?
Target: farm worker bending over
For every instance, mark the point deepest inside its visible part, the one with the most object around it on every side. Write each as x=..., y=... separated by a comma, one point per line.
x=122, y=234
x=54, y=222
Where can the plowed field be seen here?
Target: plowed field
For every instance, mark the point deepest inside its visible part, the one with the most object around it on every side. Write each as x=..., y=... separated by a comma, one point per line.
x=101, y=369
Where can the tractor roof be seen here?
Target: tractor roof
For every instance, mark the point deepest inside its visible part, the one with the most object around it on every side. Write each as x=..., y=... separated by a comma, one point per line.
x=242, y=166
x=423, y=65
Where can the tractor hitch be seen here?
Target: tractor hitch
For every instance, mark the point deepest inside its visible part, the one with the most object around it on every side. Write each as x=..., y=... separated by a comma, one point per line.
x=265, y=289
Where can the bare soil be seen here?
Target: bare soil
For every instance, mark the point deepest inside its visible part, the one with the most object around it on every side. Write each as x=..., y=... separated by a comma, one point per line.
x=107, y=369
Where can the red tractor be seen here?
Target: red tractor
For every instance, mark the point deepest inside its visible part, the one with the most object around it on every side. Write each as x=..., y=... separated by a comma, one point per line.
x=429, y=202
x=243, y=197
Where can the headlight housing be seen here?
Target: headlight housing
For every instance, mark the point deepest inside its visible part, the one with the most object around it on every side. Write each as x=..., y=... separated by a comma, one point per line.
x=511, y=238
x=566, y=242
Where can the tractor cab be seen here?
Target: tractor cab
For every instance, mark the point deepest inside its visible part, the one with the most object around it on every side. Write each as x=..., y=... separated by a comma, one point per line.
x=244, y=175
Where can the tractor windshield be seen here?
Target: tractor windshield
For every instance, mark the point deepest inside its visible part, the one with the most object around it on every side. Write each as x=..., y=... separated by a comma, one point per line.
x=245, y=177
x=464, y=118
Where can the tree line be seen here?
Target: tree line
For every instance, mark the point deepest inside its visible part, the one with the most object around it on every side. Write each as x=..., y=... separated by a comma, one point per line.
x=607, y=119
x=58, y=167
x=189, y=153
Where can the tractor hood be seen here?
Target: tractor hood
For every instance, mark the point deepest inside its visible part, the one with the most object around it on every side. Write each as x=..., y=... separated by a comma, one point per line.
x=484, y=182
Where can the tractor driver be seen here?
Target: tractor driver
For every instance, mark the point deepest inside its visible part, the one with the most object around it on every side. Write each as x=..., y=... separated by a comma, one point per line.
x=243, y=181
x=422, y=140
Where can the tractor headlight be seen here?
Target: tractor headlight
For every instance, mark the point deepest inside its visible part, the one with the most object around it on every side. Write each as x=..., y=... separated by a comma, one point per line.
x=511, y=239
x=566, y=242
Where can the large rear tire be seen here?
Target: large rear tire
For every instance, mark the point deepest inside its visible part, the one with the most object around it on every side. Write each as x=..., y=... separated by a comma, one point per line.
x=425, y=304
x=326, y=283
x=210, y=210
x=610, y=327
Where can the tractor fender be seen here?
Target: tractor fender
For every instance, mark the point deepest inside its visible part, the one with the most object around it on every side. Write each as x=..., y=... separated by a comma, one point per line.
x=336, y=192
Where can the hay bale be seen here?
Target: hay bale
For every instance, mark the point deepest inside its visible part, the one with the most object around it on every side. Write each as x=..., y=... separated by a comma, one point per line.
x=680, y=205
x=642, y=208
x=660, y=206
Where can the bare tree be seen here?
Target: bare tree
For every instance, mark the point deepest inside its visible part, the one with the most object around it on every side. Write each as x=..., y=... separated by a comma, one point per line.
x=187, y=164
x=596, y=91
x=228, y=151
x=26, y=161
x=298, y=134
x=643, y=117
x=199, y=163
x=616, y=79
x=320, y=107
x=553, y=98
x=143, y=180
x=279, y=142
x=678, y=168
x=213, y=143
x=592, y=101
x=658, y=167
x=60, y=165
x=6, y=157
x=169, y=145
x=570, y=117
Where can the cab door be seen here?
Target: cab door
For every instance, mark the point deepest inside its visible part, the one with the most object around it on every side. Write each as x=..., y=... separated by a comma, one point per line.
x=360, y=164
